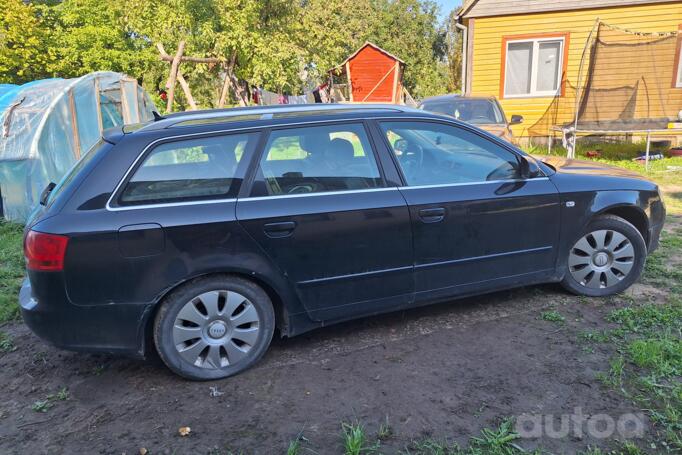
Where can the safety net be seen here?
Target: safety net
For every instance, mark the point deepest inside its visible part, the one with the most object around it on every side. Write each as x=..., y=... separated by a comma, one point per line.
x=628, y=81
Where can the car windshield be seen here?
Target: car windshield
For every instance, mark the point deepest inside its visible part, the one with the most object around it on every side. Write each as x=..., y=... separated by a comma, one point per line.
x=477, y=112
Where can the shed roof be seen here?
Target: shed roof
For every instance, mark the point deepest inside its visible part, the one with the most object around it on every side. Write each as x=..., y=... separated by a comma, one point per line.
x=367, y=43
x=487, y=8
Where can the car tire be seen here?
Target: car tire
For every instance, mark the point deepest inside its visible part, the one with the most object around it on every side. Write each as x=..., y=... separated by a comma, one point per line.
x=606, y=259
x=214, y=327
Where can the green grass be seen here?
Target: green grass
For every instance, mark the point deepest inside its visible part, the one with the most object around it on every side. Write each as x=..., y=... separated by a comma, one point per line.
x=6, y=343
x=41, y=406
x=355, y=440
x=648, y=337
x=49, y=401
x=553, y=316
x=385, y=431
x=11, y=270
x=495, y=441
x=628, y=448
x=294, y=447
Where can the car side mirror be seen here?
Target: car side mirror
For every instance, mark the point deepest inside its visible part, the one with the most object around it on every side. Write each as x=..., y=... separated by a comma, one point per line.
x=529, y=168
x=516, y=120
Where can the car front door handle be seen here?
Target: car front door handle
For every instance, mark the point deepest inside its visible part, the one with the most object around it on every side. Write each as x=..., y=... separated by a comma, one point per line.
x=433, y=215
x=279, y=230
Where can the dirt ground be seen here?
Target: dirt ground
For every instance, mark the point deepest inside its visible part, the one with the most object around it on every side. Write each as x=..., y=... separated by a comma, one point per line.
x=444, y=371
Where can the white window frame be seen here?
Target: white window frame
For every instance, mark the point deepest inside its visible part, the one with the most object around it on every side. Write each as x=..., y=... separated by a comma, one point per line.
x=534, y=93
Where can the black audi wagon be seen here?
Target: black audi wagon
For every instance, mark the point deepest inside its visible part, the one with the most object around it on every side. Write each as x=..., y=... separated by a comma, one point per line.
x=201, y=233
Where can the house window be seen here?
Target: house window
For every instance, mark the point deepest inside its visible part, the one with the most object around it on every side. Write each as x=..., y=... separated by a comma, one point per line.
x=533, y=67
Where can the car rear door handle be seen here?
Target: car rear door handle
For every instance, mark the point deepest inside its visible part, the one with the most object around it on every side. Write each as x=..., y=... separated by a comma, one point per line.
x=433, y=215
x=279, y=230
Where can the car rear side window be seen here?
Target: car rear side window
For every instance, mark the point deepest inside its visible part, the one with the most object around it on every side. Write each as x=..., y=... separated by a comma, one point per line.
x=190, y=170
x=317, y=159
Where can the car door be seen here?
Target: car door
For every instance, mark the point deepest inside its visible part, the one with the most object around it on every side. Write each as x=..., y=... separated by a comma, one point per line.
x=478, y=223
x=171, y=218
x=323, y=211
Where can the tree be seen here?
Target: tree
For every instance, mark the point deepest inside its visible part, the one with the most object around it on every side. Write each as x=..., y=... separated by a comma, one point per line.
x=252, y=39
x=90, y=35
x=332, y=29
x=281, y=45
x=454, y=57
x=410, y=30
x=23, y=43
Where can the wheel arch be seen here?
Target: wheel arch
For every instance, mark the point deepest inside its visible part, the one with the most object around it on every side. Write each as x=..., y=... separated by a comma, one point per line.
x=633, y=214
x=278, y=302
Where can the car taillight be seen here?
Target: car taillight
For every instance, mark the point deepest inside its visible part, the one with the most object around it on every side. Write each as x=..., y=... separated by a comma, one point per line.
x=45, y=252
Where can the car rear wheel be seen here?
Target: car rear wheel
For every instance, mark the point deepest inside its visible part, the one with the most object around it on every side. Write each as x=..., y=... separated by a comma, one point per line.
x=214, y=327
x=607, y=259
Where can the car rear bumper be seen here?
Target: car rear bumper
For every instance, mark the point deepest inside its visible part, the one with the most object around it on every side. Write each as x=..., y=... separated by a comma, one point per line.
x=113, y=328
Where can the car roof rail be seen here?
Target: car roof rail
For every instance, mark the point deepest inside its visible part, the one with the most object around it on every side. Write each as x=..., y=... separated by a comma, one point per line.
x=209, y=116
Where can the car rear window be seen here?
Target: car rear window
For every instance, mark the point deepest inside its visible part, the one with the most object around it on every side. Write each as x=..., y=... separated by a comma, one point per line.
x=69, y=177
x=190, y=170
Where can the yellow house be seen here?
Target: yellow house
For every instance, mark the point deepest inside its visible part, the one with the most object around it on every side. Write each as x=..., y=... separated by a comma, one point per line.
x=536, y=55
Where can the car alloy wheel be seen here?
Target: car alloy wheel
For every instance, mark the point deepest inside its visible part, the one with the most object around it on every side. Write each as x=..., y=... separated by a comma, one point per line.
x=601, y=259
x=216, y=329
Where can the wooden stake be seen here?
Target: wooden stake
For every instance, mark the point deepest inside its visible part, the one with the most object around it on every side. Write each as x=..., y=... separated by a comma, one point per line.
x=223, y=92
x=188, y=93
x=206, y=60
x=174, y=75
x=100, y=123
x=74, y=126
x=226, y=82
x=241, y=96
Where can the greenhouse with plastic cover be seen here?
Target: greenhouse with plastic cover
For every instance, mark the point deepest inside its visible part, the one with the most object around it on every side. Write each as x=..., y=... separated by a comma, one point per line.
x=48, y=125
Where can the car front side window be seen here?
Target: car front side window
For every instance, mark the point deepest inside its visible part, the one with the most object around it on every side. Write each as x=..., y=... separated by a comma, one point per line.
x=190, y=170
x=432, y=153
x=316, y=160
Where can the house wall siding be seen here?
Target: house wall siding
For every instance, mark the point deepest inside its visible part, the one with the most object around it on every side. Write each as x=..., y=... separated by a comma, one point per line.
x=486, y=64
x=486, y=8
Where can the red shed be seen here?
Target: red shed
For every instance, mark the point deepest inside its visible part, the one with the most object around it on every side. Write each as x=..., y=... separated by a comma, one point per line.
x=373, y=75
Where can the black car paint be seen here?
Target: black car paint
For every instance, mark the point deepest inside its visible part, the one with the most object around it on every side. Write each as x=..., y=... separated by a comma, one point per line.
x=121, y=263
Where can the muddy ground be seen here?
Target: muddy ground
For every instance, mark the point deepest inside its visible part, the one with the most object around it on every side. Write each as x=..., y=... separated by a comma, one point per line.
x=444, y=372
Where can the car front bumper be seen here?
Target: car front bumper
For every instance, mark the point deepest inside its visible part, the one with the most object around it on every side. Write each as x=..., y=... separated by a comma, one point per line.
x=113, y=328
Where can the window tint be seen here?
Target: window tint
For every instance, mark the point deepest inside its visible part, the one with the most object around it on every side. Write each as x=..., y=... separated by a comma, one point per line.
x=435, y=154
x=317, y=159
x=197, y=169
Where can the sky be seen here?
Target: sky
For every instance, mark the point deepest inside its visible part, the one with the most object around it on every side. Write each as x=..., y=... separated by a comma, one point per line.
x=446, y=6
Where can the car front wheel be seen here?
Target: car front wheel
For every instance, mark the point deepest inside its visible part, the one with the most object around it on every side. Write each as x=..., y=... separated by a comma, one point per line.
x=607, y=258
x=214, y=327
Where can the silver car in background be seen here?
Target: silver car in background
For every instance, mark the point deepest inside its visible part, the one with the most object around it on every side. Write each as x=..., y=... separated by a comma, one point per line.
x=483, y=112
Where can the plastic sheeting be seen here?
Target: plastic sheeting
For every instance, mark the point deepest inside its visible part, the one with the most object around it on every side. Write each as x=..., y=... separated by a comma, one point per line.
x=47, y=125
